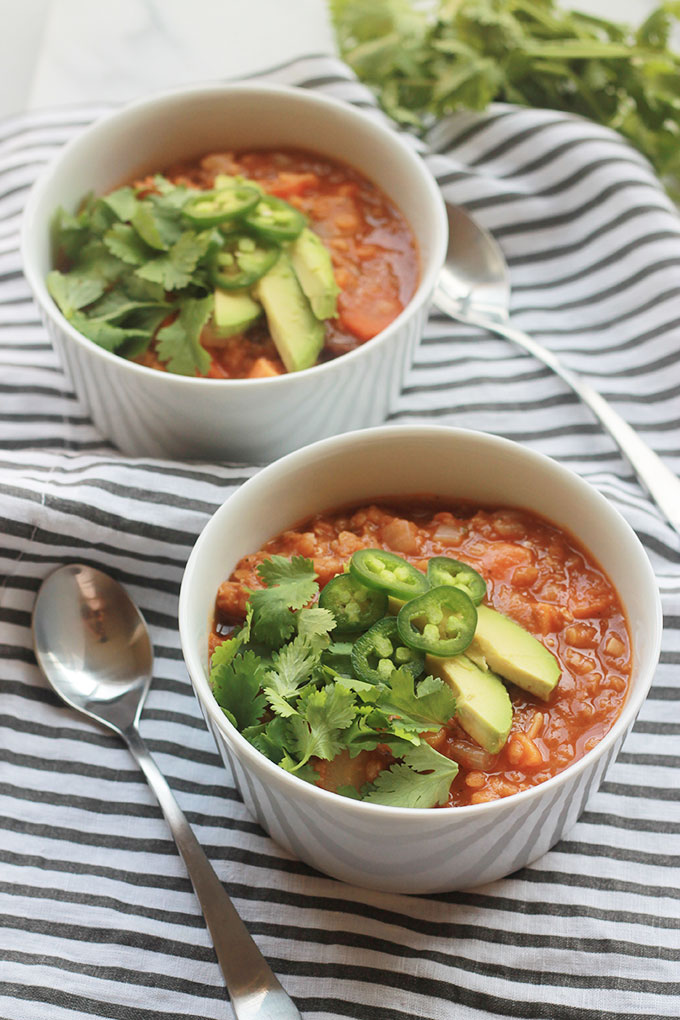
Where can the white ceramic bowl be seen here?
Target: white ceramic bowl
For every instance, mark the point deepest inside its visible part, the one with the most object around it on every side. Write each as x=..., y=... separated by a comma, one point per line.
x=402, y=849
x=147, y=412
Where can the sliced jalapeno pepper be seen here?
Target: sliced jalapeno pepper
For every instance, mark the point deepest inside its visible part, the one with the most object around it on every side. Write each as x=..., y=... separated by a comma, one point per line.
x=241, y=261
x=440, y=622
x=210, y=208
x=387, y=572
x=275, y=220
x=445, y=570
x=380, y=651
x=354, y=606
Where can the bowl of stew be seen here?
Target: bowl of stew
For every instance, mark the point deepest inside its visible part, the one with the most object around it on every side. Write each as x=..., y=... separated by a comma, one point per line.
x=437, y=755
x=234, y=271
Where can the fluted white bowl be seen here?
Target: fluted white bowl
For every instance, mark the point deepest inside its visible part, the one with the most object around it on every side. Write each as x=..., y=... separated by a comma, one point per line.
x=146, y=412
x=403, y=849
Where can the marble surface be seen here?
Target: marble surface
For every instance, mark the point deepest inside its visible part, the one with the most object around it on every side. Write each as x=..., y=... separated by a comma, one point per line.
x=56, y=52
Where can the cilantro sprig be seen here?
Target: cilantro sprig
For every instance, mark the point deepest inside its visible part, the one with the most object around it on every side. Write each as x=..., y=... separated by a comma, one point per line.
x=132, y=270
x=433, y=59
x=275, y=681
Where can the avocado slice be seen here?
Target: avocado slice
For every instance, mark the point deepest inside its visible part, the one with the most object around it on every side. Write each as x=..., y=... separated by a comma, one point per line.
x=515, y=654
x=295, y=330
x=314, y=269
x=235, y=311
x=483, y=706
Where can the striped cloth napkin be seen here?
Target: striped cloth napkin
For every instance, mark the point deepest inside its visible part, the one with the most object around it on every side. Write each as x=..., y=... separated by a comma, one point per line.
x=97, y=916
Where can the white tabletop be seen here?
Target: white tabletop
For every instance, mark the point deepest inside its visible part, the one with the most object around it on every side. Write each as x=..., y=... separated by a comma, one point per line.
x=55, y=52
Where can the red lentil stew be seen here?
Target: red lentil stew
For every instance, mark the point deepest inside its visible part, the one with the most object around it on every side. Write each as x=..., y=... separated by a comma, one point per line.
x=236, y=265
x=535, y=574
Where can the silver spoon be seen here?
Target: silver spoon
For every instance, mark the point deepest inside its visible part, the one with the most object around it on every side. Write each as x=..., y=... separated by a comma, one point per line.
x=474, y=288
x=92, y=644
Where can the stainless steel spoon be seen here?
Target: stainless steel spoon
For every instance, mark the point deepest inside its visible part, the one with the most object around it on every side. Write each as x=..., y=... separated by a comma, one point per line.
x=92, y=644
x=474, y=288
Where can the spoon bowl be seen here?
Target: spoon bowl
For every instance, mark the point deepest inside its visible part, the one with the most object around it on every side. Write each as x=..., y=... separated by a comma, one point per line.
x=92, y=644
x=474, y=288
x=475, y=273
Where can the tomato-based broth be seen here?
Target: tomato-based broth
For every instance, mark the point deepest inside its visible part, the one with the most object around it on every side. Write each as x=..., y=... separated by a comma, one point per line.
x=537, y=575
x=372, y=249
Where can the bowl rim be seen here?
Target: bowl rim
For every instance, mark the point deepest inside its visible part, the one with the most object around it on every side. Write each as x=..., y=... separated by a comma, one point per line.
x=307, y=792
x=390, y=136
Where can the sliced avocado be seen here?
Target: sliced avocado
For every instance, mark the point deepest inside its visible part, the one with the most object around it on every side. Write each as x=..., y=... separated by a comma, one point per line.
x=234, y=312
x=314, y=269
x=295, y=330
x=483, y=706
x=515, y=654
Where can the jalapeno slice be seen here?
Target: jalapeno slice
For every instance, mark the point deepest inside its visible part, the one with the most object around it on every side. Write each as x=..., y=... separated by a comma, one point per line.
x=210, y=208
x=241, y=261
x=440, y=622
x=354, y=606
x=380, y=651
x=387, y=572
x=445, y=570
x=275, y=220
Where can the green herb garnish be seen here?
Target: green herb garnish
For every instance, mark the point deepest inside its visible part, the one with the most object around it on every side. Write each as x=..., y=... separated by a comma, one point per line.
x=128, y=264
x=273, y=682
x=463, y=54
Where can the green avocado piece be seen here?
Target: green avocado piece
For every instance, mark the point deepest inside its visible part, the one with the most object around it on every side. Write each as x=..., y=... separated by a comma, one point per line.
x=235, y=311
x=314, y=269
x=483, y=706
x=294, y=328
x=515, y=653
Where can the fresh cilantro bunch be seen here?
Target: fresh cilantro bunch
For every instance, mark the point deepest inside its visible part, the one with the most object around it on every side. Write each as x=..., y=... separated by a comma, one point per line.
x=463, y=54
x=129, y=262
x=274, y=681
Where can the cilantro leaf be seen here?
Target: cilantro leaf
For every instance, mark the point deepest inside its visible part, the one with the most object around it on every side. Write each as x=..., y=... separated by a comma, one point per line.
x=73, y=290
x=422, y=780
x=173, y=269
x=95, y=260
x=116, y=304
x=306, y=771
x=323, y=715
x=277, y=569
x=122, y=203
x=428, y=707
x=172, y=196
x=291, y=585
x=293, y=666
x=106, y=334
x=179, y=343
x=225, y=652
x=315, y=622
x=349, y=791
x=69, y=233
x=157, y=222
x=124, y=242
x=268, y=738
x=236, y=685
x=361, y=734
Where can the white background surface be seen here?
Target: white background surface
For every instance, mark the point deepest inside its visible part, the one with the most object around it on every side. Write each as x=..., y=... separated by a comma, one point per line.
x=55, y=52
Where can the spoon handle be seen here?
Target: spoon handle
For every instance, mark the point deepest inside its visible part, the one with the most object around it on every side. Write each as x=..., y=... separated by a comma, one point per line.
x=255, y=991
x=662, y=485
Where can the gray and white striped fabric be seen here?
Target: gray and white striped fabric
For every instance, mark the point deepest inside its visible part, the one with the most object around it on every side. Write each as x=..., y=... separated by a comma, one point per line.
x=97, y=916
